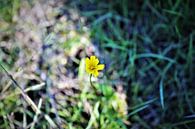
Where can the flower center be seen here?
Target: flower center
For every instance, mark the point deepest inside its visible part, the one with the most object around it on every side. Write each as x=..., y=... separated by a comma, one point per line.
x=92, y=67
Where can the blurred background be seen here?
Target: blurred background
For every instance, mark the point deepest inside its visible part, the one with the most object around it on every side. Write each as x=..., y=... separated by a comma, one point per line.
x=147, y=47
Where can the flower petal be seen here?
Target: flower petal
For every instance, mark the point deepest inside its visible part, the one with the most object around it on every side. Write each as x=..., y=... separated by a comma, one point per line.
x=94, y=60
x=87, y=65
x=95, y=73
x=92, y=57
x=100, y=67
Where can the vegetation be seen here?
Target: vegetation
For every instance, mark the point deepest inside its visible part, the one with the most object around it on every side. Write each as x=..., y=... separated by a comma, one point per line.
x=147, y=48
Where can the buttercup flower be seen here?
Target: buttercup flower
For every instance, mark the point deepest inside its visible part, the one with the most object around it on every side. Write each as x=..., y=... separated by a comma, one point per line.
x=92, y=66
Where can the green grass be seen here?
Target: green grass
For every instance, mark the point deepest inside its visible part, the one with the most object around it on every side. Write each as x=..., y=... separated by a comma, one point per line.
x=150, y=45
x=147, y=46
x=8, y=9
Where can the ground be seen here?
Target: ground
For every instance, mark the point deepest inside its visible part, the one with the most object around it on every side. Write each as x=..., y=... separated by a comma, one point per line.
x=146, y=46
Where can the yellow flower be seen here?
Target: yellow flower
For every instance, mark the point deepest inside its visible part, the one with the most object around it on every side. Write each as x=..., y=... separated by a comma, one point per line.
x=92, y=66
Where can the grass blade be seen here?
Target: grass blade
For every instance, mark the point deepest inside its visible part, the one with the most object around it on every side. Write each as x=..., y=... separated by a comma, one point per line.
x=152, y=55
x=137, y=110
x=162, y=94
